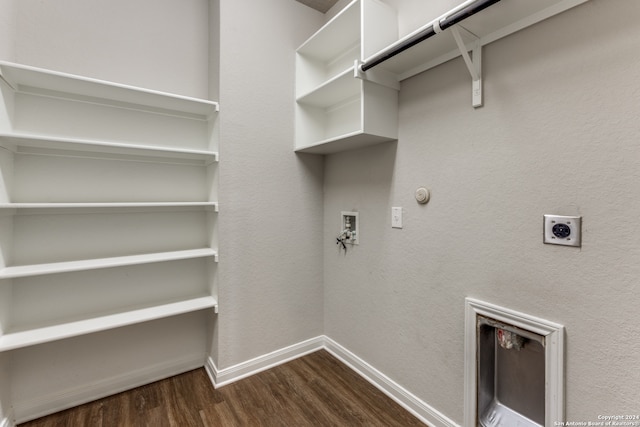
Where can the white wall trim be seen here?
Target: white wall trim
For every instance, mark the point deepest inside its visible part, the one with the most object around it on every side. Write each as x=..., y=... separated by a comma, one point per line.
x=44, y=405
x=554, y=356
x=221, y=377
x=35, y=408
x=420, y=409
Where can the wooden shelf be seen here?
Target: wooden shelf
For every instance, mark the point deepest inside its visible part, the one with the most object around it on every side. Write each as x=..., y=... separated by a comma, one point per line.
x=25, y=143
x=27, y=79
x=491, y=24
x=94, y=264
x=39, y=335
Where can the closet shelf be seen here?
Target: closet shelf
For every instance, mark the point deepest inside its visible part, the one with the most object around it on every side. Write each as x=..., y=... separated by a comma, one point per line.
x=27, y=79
x=29, y=337
x=21, y=143
x=115, y=205
x=336, y=108
x=94, y=264
x=338, y=35
x=353, y=140
x=334, y=91
x=493, y=23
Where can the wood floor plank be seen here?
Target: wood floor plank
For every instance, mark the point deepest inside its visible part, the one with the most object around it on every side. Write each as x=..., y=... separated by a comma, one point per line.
x=315, y=390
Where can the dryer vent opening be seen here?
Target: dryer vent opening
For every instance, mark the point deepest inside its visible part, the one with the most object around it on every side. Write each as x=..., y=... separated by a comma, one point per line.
x=514, y=372
x=511, y=375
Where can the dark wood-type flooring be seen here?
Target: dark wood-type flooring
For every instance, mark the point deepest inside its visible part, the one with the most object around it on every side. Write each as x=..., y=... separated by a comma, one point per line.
x=315, y=390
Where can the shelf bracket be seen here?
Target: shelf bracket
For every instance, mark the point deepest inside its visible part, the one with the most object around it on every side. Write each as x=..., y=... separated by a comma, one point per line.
x=474, y=63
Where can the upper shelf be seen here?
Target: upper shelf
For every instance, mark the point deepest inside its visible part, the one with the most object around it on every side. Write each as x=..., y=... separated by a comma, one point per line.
x=338, y=35
x=497, y=21
x=27, y=79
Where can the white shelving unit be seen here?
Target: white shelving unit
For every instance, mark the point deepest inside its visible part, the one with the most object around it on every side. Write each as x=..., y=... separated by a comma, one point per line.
x=108, y=201
x=336, y=110
x=339, y=107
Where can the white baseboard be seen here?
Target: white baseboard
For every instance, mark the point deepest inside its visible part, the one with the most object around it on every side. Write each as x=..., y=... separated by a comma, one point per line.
x=421, y=410
x=221, y=377
x=44, y=405
x=35, y=408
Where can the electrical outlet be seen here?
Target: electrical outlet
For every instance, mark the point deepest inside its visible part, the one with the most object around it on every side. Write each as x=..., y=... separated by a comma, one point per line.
x=563, y=230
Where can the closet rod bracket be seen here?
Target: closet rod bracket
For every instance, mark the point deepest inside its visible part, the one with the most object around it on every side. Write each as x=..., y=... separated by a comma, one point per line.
x=381, y=77
x=473, y=63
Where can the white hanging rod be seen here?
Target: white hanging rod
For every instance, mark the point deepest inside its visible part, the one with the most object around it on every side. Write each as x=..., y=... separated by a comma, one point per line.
x=449, y=19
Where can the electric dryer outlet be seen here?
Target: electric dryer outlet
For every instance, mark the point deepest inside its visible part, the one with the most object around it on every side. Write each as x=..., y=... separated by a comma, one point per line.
x=563, y=230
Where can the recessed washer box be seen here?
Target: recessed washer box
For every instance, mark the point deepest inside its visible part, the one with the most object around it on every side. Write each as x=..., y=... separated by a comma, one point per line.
x=349, y=221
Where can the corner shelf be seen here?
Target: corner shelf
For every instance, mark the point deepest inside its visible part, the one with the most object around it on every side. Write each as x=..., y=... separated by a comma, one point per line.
x=352, y=140
x=335, y=109
x=339, y=107
x=330, y=51
x=333, y=91
x=14, y=339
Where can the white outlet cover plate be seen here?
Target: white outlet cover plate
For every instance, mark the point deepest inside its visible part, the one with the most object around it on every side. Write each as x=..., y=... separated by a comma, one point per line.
x=396, y=217
x=574, y=224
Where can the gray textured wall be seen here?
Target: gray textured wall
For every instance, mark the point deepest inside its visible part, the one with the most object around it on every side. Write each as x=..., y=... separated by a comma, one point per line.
x=558, y=134
x=162, y=45
x=271, y=293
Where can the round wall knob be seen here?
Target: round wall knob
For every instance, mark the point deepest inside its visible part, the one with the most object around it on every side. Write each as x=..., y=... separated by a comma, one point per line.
x=422, y=195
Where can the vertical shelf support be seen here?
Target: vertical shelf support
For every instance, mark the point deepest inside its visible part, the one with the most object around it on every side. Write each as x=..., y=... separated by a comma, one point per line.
x=474, y=64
